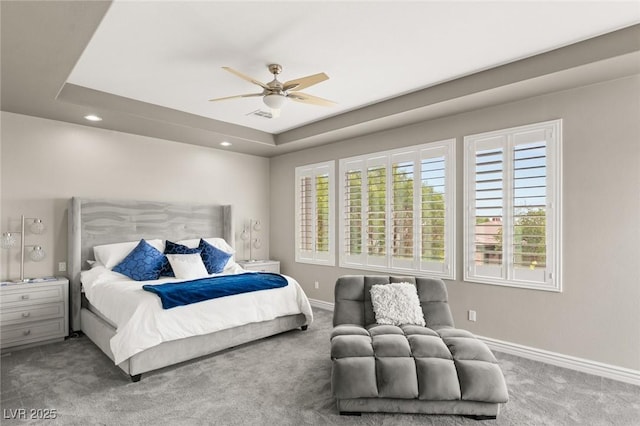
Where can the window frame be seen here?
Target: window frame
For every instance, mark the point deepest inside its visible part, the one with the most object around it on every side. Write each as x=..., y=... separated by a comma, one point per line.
x=416, y=266
x=505, y=140
x=314, y=256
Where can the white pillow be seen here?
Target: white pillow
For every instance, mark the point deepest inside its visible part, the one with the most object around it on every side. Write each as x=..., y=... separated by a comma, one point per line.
x=231, y=266
x=187, y=266
x=112, y=254
x=396, y=304
x=216, y=242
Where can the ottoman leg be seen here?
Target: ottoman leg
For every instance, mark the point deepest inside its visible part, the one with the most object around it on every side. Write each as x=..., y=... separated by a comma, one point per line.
x=475, y=417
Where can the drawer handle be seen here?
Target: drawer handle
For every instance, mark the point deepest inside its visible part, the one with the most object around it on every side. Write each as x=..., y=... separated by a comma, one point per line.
x=26, y=332
x=25, y=297
x=26, y=314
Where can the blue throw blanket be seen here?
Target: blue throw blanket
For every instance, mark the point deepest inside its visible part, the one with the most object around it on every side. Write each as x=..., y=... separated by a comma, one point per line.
x=187, y=292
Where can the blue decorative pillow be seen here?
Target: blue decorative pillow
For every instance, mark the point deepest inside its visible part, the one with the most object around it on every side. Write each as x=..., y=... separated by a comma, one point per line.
x=214, y=259
x=174, y=248
x=143, y=263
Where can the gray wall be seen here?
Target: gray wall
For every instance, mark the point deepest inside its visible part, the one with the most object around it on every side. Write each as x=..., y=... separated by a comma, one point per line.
x=44, y=163
x=597, y=316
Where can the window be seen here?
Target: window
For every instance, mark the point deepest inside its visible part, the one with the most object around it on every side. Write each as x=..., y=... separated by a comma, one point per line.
x=315, y=214
x=397, y=210
x=512, y=206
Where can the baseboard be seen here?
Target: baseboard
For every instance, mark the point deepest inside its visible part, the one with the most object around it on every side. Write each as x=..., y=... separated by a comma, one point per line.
x=328, y=306
x=609, y=371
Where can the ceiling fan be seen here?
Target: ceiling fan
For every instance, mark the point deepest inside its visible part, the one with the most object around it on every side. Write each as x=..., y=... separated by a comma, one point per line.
x=275, y=93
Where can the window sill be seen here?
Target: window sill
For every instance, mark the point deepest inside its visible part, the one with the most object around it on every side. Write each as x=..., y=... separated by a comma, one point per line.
x=556, y=288
x=316, y=262
x=399, y=272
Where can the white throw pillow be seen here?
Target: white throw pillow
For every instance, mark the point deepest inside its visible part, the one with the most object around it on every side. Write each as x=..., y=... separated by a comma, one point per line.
x=231, y=267
x=187, y=266
x=216, y=242
x=112, y=254
x=396, y=304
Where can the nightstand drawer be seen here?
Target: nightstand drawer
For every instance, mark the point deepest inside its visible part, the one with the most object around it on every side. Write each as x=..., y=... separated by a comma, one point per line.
x=31, y=313
x=32, y=332
x=28, y=296
x=272, y=266
x=267, y=268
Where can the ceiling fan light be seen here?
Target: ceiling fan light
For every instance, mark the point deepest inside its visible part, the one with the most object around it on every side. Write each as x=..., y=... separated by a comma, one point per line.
x=274, y=101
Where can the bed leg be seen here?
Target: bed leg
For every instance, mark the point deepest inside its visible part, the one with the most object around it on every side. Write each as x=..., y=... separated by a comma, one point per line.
x=304, y=327
x=136, y=378
x=74, y=334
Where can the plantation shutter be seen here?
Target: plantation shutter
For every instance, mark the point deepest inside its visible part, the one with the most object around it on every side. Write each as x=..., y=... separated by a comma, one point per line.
x=403, y=205
x=396, y=210
x=322, y=213
x=436, y=195
x=488, y=205
x=306, y=217
x=353, y=211
x=528, y=250
x=376, y=217
x=512, y=221
x=314, y=214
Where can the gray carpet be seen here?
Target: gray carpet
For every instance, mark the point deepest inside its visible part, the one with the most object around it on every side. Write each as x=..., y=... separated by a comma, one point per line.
x=282, y=380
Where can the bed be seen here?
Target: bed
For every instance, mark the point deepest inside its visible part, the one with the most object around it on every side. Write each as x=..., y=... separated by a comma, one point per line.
x=104, y=222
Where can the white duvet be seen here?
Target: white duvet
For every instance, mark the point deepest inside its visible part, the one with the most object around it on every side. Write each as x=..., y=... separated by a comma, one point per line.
x=142, y=323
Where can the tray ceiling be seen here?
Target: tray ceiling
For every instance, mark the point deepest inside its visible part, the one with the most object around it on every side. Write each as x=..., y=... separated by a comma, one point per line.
x=161, y=61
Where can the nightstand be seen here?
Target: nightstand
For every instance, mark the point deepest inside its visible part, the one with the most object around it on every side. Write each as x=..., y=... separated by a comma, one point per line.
x=261, y=265
x=34, y=312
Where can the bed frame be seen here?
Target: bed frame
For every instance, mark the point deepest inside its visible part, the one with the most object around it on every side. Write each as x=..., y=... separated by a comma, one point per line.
x=93, y=222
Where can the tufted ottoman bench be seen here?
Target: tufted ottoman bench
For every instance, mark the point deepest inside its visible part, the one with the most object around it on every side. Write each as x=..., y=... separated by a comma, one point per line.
x=436, y=369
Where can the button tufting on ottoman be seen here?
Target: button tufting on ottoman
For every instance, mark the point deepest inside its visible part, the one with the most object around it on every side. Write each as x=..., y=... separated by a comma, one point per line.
x=435, y=369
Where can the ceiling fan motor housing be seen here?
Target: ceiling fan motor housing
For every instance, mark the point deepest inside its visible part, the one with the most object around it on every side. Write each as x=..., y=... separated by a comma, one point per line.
x=275, y=86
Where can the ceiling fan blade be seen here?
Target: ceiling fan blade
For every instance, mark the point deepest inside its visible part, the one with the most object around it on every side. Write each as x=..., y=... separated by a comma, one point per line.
x=310, y=99
x=248, y=95
x=246, y=77
x=304, y=82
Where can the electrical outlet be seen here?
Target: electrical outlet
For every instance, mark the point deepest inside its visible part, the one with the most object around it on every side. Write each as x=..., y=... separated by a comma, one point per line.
x=472, y=315
x=316, y=285
x=62, y=266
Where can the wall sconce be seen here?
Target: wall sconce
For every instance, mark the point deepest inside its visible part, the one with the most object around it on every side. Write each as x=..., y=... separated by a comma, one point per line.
x=36, y=252
x=247, y=235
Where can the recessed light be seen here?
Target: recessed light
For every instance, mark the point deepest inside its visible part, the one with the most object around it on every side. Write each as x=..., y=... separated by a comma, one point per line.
x=93, y=117
x=225, y=143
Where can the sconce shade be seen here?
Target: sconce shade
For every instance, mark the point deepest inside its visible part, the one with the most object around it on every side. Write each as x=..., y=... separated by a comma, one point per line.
x=37, y=254
x=8, y=240
x=37, y=227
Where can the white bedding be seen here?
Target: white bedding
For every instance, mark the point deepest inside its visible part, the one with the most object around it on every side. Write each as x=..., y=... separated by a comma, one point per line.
x=142, y=323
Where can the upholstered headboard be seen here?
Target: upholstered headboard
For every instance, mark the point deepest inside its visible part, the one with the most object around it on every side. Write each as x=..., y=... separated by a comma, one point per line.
x=93, y=222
